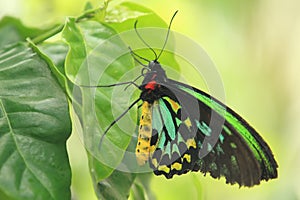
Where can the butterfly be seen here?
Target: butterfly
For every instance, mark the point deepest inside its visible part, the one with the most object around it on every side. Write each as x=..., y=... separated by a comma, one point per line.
x=182, y=129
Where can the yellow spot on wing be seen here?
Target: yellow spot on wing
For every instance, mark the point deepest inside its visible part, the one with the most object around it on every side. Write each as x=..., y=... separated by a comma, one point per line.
x=164, y=168
x=191, y=143
x=176, y=166
x=154, y=162
x=175, y=106
x=188, y=123
x=152, y=149
x=187, y=157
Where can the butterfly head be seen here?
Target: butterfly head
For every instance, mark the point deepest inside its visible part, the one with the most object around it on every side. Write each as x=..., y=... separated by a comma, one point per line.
x=155, y=67
x=155, y=73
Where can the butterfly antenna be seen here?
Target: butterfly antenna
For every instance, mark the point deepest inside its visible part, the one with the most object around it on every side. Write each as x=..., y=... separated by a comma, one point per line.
x=111, y=85
x=135, y=56
x=144, y=40
x=133, y=82
x=116, y=120
x=168, y=33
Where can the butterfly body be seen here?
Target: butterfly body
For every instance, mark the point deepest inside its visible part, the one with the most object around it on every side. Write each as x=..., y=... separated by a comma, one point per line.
x=183, y=129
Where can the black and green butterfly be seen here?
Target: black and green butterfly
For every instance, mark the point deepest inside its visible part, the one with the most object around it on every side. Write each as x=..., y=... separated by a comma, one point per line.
x=183, y=129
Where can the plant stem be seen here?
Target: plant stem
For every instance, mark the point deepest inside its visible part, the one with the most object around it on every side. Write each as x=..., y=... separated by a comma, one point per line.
x=53, y=31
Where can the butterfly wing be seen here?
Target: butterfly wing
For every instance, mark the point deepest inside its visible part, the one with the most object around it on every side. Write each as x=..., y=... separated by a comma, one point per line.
x=192, y=131
x=174, y=152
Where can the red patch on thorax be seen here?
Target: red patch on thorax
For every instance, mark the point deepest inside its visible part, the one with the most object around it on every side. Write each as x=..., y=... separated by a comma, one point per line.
x=150, y=85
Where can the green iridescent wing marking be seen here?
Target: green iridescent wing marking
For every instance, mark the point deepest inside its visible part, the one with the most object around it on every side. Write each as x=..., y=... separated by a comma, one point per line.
x=173, y=152
x=211, y=138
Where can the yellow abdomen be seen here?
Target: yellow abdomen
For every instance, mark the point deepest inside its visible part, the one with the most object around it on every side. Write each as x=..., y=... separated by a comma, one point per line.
x=142, y=151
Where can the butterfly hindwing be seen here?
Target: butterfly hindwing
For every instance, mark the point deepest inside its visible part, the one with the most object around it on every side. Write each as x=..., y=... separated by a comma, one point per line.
x=175, y=153
x=190, y=131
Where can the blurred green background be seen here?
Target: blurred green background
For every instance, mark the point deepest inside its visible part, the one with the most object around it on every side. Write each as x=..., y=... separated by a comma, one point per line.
x=256, y=48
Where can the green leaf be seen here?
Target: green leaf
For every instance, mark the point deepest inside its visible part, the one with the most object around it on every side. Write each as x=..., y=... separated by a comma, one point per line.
x=126, y=13
x=12, y=30
x=141, y=188
x=90, y=58
x=116, y=186
x=57, y=52
x=56, y=71
x=88, y=6
x=152, y=28
x=34, y=127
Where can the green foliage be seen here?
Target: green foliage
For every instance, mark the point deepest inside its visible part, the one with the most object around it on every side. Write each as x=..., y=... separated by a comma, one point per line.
x=83, y=39
x=34, y=126
x=39, y=82
x=13, y=30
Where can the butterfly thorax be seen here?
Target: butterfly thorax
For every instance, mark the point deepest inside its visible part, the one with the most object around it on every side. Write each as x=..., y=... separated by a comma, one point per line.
x=152, y=86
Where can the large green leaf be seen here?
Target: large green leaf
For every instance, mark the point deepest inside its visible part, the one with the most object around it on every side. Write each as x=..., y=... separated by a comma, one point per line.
x=34, y=127
x=57, y=52
x=12, y=30
x=96, y=53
